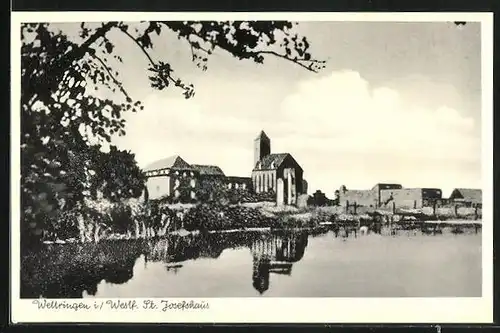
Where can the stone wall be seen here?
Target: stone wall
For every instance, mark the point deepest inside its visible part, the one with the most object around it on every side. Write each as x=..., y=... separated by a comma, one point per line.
x=403, y=198
x=366, y=198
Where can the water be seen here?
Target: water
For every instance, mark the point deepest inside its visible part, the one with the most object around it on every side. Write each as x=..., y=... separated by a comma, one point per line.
x=285, y=264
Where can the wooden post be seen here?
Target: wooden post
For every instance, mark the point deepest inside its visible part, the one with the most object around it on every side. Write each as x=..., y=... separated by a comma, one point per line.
x=434, y=208
x=347, y=207
x=355, y=207
x=393, y=207
x=414, y=204
x=456, y=210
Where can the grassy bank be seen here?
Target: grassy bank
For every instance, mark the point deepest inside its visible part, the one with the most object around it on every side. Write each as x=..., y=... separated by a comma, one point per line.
x=141, y=222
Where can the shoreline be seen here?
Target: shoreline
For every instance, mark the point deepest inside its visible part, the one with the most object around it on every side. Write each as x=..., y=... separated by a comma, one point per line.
x=325, y=226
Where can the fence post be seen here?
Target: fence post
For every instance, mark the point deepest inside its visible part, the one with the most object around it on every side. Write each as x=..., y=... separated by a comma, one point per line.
x=355, y=207
x=414, y=204
x=347, y=207
x=393, y=207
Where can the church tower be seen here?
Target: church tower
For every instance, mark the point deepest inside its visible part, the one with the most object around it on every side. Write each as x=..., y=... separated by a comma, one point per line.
x=262, y=147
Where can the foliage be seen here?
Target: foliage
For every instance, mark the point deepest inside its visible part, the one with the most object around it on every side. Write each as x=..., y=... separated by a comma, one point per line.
x=66, y=122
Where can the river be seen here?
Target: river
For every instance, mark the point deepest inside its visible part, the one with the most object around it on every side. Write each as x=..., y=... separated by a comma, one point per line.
x=264, y=264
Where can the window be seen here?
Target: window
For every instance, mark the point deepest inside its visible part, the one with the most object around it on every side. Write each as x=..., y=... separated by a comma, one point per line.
x=184, y=175
x=243, y=186
x=229, y=186
x=236, y=186
x=273, y=165
x=193, y=183
x=177, y=193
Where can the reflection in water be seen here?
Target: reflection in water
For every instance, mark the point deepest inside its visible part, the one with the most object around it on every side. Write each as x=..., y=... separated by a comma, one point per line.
x=66, y=271
x=247, y=263
x=69, y=271
x=275, y=254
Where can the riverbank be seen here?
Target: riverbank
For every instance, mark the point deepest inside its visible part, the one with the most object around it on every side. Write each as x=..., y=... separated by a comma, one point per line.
x=209, y=218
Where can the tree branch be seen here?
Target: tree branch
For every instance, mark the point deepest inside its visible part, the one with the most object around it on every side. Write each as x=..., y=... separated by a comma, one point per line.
x=156, y=68
x=295, y=61
x=66, y=60
x=115, y=80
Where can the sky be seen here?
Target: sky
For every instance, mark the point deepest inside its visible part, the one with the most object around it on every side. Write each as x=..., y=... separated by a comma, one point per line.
x=397, y=102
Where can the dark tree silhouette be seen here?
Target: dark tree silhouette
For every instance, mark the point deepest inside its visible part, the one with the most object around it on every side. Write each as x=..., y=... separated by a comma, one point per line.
x=65, y=120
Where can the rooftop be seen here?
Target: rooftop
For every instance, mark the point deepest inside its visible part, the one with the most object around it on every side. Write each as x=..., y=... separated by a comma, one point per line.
x=171, y=162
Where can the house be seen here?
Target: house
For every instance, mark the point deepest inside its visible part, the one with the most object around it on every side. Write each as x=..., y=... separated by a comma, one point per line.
x=276, y=172
x=410, y=197
x=389, y=194
x=468, y=196
x=175, y=178
x=171, y=176
x=347, y=197
x=378, y=188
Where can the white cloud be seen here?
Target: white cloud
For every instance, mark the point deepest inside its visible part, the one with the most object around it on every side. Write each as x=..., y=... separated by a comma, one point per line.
x=339, y=128
x=355, y=134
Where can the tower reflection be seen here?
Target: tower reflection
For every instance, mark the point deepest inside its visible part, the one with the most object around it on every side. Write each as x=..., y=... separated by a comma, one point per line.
x=275, y=254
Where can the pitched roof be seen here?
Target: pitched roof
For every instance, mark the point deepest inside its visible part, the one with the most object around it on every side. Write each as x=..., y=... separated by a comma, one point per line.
x=271, y=161
x=172, y=162
x=388, y=186
x=261, y=135
x=208, y=170
x=469, y=194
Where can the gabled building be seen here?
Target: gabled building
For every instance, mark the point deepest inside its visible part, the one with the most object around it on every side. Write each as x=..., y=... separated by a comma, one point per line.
x=468, y=196
x=171, y=176
x=278, y=173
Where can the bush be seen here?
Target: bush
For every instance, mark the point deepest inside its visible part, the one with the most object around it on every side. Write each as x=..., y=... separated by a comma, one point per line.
x=223, y=217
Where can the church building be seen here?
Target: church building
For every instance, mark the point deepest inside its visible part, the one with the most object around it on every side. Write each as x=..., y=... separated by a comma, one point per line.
x=278, y=173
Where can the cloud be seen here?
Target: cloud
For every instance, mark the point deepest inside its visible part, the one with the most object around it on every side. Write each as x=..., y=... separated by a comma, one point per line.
x=339, y=128
x=358, y=134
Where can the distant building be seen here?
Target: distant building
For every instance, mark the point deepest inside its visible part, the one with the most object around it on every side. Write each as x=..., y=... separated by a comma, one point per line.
x=171, y=176
x=378, y=188
x=468, y=196
x=279, y=173
x=368, y=198
x=410, y=197
x=276, y=174
x=386, y=195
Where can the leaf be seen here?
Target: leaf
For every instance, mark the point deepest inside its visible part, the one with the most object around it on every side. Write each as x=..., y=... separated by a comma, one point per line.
x=109, y=47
